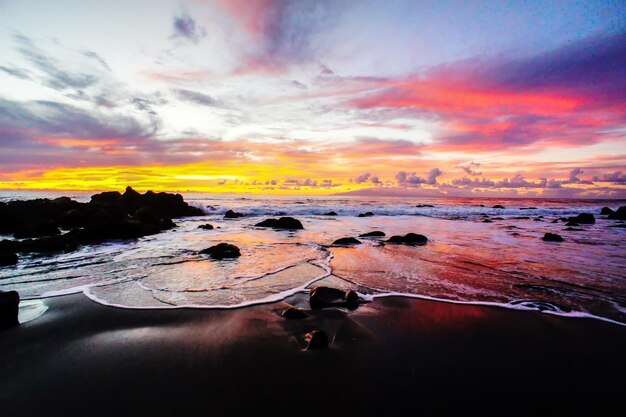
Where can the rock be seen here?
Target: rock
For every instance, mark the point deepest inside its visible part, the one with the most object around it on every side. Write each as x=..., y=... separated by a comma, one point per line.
x=583, y=218
x=206, y=226
x=606, y=211
x=497, y=206
x=573, y=229
x=282, y=223
x=9, y=308
x=222, y=251
x=37, y=228
x=521, y=218
x=409, y=239
x=330, y=213
x=368, y=214
x=294, y=313
x=346, y=241
x=514, y=234
x=528, y=208
x=424, y=205
x=571, y=224
x=497, y=218
x=316, y=339
x=555, y=221
x=538, y=219
x=552, y=237
x=8, y=258
x=619, y=214
x=232, y=215
x=321, y=297
x=375, y=233
x=487, y=221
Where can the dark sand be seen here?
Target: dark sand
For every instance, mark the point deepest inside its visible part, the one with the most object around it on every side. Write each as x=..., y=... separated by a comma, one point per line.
x=394, y=356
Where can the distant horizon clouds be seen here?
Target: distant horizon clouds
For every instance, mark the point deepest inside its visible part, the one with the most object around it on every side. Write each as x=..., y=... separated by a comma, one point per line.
x=507, y=98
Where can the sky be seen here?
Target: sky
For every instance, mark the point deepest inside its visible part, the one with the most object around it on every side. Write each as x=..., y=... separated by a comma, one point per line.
x=451, y=98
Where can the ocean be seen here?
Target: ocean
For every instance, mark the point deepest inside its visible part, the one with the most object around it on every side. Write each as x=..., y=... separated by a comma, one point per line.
x=502, y=263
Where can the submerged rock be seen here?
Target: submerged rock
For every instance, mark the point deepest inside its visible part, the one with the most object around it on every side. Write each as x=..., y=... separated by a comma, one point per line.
x=552, y=237
x=409, y=239
x=573, y=229
x=376, y=233
x=232, y=215
x=206, y=226
x=294, y=313
x=346, y=241
x=487, y=221
x=9, y=308
x=282, y=223
x=330, y=213
x=316, y=339
x=8, y=258
x=497, y=206
x=582, y=218
x=321, y=297
x=222, y=251
x=424, y=205
x=368, y=214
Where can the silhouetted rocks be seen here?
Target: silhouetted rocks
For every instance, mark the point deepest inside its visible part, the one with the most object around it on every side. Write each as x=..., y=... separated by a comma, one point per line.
x=316, y=339
x=107, y=216
x=294, y=313
x=321, y=297
x=346, y=241
x=606, y=211
x=528, y=208
x=522, y=218
x=232, y=215
x=487, y=221
x=8, y=258
x=222, y=251
x=330, y=213
x=552, y=237
x=514, y=234
x=424, y=205
x=619, y=214
x=368, y=214
x=573, y=229
x=409, y=239
x=206, y=226
x=9, y=308
x=283, y=223
x=497, y=206
x=375, y=233
x=582, y=218
x=571, y=224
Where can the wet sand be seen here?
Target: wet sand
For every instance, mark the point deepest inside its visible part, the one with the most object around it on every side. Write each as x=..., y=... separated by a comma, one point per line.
x=394, y=356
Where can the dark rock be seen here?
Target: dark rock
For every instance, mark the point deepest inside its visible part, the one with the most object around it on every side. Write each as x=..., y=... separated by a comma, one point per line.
x=9, y=308
x=321, y=297
x=583, y=218
x=487, y=221
x=346, y=241
x=330, y=213
x=232, y=215
x=521, y=218
x=8, y=258
x=206, y=226
x=619, y=214
x=294, y=313
x=571, y=224
x=538, y=219
x=424, y=205
x=222, y=251
x=497, y=206
x=375, y=233
x=528, y=208
x=316, y=339
x=37, y=228
x=282, y=223
x=368, y=214
x=514, y=234
x=606, y=211
x=497, y=218
x=409, y=239
x=555, y=221
x=552, y=237
x=573, y=229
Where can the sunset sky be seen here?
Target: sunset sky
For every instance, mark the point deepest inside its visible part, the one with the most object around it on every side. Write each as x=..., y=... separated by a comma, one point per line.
x=498, y=98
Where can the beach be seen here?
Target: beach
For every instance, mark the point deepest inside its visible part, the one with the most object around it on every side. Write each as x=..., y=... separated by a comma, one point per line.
x=393, y=356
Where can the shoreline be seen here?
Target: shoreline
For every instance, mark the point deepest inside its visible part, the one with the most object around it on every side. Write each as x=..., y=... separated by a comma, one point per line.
x=394, y=355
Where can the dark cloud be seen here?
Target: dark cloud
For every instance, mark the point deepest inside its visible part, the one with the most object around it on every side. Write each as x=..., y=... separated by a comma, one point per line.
x=469, y=169
x=196, y=97
x=617, y=177
x=186, y=27
x=16, y=72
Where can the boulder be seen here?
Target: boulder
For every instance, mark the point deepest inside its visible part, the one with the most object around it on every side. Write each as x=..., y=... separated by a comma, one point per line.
x=606, y=211
x=582, y=218
x=619, y=214
x=330, y=213
x=9, y=308
x=571, y=224
x=552, y=237
x=37, y=228
x=283, y=223
x=497, y=206
x=206, y=226
x=346, y=241
x=368, y=214
x=294, y=313
x=375, y=233
x=232, y=215
x=424, y=205
x=321, y=297
x=8, y=258
x=409, y=239
x=222, y=251
x=316, y=339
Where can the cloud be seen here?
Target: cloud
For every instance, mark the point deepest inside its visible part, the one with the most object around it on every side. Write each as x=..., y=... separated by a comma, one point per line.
x=616, y=177
x=185, y=26
x=361, y=178
x=16, y=72
x=469, y=169
x=196, y=97
x=432, y=176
